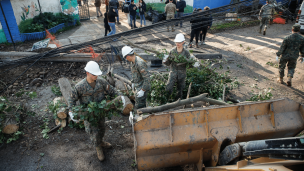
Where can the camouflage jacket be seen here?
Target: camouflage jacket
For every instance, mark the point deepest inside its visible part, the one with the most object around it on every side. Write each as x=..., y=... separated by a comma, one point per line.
x=173, y=65
x=86, y=94
x=170, y=9
x=267, y=11
x=140, y=74
x=292, y=45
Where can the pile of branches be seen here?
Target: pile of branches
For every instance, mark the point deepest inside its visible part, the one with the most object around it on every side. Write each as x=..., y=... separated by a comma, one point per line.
x=202, y=80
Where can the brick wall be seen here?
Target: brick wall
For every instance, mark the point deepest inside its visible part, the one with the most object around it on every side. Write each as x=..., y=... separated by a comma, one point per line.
x=11, y=21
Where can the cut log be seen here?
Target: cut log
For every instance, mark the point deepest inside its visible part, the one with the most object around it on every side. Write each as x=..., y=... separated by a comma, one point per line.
x=10, y=128
x=127, y=108
x=62, y=122
x=179, y=102
x=62, y=113
x=65, y=88
x=123, y=79
x=119, y=85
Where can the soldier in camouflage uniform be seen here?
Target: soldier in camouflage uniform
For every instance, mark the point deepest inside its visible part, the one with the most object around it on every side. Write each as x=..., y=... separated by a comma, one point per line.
x=177, y=70
x=170, y=10
x=265, y=15
x=291, y=47
x=93, y=89
x=140, y=76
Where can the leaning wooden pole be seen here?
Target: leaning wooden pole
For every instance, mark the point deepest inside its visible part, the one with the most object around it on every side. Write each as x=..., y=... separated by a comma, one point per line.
x=122, y=79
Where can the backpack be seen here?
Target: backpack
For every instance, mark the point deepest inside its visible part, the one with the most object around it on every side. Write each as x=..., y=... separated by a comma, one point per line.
x=126, y=8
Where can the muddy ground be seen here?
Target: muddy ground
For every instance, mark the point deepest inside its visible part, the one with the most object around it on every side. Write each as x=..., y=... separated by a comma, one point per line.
x=245, y=55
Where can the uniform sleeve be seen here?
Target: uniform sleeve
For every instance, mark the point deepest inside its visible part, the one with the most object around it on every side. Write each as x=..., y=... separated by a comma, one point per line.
x=261, y=11
x=73, y=98
x=282, y=48
x=111, y=91
x=174, y=8
x=143, y=69
x=166, y=8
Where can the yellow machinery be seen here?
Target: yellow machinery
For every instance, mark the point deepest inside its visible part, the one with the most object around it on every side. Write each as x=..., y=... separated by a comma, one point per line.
x=196, y=136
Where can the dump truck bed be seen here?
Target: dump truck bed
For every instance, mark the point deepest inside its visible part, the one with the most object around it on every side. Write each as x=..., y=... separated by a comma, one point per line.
x=195, y=136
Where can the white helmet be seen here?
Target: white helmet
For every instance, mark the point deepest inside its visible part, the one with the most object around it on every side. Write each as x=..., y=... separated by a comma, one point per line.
x=93, y=68
x=126, y=50
x=179, y=38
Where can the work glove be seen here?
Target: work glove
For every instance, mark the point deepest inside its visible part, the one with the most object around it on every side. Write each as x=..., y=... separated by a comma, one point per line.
x=196, y=64
x=277, y=58
x=72, y=117
x=123, y=100
x=301, y=59
x=132, y=86
x=140, y=93
x=131, y=118
x=165, y=58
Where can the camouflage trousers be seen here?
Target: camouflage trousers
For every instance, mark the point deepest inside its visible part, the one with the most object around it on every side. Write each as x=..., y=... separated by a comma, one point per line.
x=169, y=17
x=140, y=102
x=264, y=21
x=96, y=133
x=180, y=79
x=291, y=64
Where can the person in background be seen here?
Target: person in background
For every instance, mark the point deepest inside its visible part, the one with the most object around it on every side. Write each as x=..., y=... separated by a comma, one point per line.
x=106, y=24
x=125, y=9
x=195, y=28
x=107, y=5
x=97, y=5
x=167, y=1
x=180, y=6
x=111, y=20
x=266, y=13
x=132, y=10
x=170, y=9
x=142, y=10
x=206, y=25
x=114, y=4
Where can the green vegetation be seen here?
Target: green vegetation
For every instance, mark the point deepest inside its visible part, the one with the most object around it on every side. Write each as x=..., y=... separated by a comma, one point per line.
x=45, y=128
x=160, y=7
x=264, y=95
x=56, y=90
x=204, y=80
x=272, y=64
x=44, y=21
x=8, y=109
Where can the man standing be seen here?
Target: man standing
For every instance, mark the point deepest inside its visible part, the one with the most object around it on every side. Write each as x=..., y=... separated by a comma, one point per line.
x=132, y=10
x=180, y=6
x=178, y=71
x=97, y=5
x=140, y=76
x=115, y=5
x=170, y=10
x=265, y=15
x=93, y=89
x=291, y=47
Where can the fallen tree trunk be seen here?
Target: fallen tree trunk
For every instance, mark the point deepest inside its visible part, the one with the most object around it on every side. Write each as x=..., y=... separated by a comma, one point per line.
x=179, y=102
x=123, y=79
x=119, y=85
x=65, y=88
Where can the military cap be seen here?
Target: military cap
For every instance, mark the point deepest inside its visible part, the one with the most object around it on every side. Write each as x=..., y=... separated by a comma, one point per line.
x=296, y=28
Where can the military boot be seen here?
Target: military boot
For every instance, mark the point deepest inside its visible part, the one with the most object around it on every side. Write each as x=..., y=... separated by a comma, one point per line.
x=100, y=154
x=260, y=31
x=105, y=144
x=280, y=80
x=289, y=81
